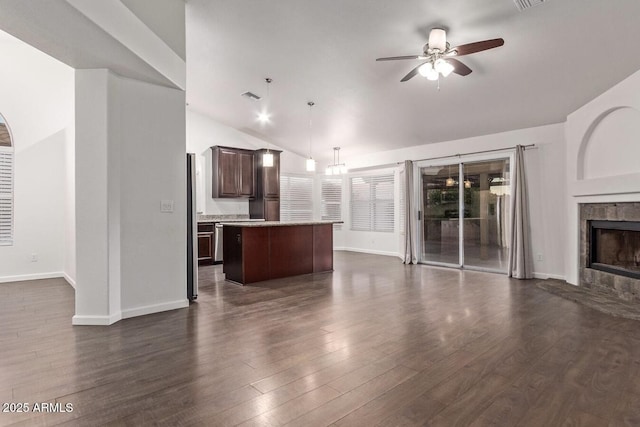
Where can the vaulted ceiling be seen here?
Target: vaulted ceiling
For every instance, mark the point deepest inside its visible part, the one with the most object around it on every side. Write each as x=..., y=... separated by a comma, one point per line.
x=557, y=56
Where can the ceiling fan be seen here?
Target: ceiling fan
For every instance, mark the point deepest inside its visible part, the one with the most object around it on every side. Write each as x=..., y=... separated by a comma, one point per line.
x=439, y=56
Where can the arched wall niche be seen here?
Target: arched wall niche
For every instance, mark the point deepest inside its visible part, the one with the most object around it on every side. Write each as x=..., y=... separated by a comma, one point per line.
x=611, y=145
x=5, y=133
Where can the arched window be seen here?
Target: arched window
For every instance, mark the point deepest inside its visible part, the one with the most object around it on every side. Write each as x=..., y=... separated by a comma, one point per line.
x=6, y=184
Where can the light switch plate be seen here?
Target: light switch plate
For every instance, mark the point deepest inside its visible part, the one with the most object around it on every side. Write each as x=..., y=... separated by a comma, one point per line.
x=166, y=206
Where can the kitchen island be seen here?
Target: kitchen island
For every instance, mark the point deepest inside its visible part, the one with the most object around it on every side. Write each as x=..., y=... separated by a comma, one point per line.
x=257, y=251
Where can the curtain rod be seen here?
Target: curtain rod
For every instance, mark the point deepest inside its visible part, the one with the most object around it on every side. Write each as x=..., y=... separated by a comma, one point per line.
x=473, y=152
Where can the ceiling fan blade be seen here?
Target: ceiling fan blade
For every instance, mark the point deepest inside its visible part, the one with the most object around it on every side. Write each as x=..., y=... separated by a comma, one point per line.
x=469, y=48
x=394, y=58
x=412, y=73
x=459, y=67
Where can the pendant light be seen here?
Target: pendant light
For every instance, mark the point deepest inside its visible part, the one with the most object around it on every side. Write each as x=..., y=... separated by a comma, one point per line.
x=336, y=168
x=450, y=182
x=311, y=164
x=267, y=157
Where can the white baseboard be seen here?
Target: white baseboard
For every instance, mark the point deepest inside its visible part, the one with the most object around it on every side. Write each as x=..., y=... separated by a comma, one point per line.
x=545, y=276
x=156, y=308
x=368, y=251
x=80, y=320
x=126, y=314
x=37, y=276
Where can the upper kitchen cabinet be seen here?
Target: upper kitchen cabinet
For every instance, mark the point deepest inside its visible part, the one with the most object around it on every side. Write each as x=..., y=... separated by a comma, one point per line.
x=233, y=172
x=266, y=204
x=268, y=178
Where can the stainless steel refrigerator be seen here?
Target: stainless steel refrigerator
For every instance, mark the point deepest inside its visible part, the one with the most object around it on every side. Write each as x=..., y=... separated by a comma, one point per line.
x=192, y=229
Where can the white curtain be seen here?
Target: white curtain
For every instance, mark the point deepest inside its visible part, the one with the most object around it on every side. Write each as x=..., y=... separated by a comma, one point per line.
x=410, y=233
x=520, y=259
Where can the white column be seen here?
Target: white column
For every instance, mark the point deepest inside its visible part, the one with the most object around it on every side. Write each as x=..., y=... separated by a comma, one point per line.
x=130, y=157
x=97, y=201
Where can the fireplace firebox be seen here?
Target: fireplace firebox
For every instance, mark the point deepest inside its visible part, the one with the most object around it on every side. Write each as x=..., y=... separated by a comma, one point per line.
x=614, y=247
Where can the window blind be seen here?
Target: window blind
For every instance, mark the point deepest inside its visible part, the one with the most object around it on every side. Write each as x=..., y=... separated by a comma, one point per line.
x=331, y=199
x=6, y=196
x=372, y=203
x=296, y=198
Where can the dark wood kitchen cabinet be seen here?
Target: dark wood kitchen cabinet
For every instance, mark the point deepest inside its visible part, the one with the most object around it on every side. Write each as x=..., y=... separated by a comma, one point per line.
x=266, y=204
x=206, y=243
x=233, y=172
x=254, y=252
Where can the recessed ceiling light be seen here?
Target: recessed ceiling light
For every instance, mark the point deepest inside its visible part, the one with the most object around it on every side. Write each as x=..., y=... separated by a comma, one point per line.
x=263, y=117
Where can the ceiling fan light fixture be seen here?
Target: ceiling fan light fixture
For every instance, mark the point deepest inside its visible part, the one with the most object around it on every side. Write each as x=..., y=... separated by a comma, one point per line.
x=438, y=39
x=443, y=67
x=427, y=70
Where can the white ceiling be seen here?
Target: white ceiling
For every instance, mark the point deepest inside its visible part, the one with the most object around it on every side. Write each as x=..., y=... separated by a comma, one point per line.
x=557, y=56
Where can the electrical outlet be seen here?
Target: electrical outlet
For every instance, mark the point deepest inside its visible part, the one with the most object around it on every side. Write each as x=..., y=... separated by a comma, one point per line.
x=34, y=257
x=539, y=257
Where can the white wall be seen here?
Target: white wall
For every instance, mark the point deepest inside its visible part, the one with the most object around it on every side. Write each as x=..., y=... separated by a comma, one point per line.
x=545, y=176
x=37, y=102
x=602, y=157
x=166, y=18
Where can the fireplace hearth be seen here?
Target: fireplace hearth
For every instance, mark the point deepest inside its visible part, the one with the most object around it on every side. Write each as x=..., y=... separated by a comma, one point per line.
x=610, y=249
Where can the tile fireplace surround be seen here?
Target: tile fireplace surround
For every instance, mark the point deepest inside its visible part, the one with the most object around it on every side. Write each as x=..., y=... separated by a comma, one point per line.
x=626, y=288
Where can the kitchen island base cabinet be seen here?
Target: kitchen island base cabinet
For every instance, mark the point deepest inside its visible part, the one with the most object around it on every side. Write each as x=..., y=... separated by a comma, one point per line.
x=258, y=253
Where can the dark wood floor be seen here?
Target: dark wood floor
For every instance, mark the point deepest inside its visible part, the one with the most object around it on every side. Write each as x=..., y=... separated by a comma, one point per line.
x=373, y=343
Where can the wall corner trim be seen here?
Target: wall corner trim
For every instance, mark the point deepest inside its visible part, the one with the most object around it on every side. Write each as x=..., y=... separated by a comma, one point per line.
x=69, y=280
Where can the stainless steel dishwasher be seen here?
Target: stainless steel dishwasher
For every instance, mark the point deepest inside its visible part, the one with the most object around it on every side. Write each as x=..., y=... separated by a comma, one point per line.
x=217, y=250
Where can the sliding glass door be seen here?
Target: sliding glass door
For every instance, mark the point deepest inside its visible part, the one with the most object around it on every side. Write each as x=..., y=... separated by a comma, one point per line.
x=465, y=217
x=440, y=225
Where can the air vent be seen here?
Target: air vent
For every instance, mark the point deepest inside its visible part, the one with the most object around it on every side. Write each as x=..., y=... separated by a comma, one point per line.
x=526, y=4
x=251, y=96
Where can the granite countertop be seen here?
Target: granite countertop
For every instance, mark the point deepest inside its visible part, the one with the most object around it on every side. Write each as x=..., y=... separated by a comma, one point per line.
x=220, y=218
x=278, y=223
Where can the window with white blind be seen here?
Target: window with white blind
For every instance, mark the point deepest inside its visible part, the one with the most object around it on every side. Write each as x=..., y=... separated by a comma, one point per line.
x=6, y=185
x=372, y=203
x=296, y=198
x=331, y=199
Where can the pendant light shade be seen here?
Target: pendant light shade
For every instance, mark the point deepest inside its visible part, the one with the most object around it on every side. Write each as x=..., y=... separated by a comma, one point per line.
x=267, y=159
x=310, y=164
x=450, y=182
